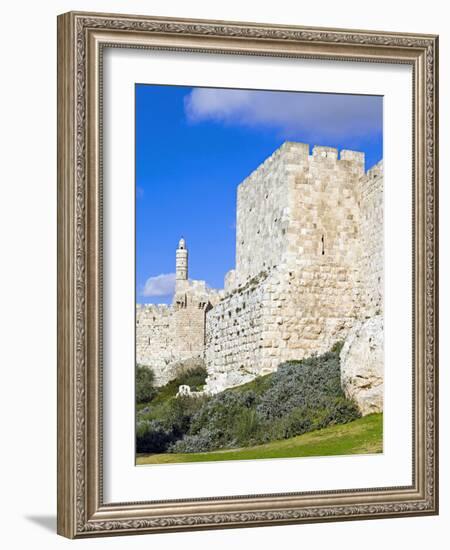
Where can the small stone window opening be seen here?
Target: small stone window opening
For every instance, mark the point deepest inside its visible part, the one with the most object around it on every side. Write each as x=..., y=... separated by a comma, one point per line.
x=323, y=246
x=149, y=340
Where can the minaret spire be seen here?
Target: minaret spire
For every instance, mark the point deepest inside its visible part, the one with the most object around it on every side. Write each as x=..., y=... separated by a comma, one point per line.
x=182, y=261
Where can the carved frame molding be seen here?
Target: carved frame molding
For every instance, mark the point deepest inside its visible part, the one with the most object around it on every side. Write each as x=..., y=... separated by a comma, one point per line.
x=81, y=39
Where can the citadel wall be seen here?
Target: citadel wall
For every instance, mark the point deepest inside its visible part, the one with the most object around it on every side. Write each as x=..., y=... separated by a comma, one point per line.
x=154, y=338
x=169, y=335
x=264, y=213
x=371, y=260
x=190, y=304
x=279, y=316
x=309, y=266
x=234, y=331
x=304, y=288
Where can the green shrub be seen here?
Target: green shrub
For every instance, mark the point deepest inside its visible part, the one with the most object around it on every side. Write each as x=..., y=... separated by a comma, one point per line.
x=219, y=416
x=309, y=385
x=246, y=426
x=259, y=385
x=178, y=412
x=299, y=397
x=337, y=347
x=297, y=422
x=201, y=442
x=145, y=389
x=159, y=426
x=153, y=437
x=165, y=418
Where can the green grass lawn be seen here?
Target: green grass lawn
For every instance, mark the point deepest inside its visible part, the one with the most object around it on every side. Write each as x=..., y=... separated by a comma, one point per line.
x=362, y=436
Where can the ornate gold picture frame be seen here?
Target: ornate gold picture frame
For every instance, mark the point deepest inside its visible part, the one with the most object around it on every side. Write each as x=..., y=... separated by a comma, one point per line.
x=82, y=41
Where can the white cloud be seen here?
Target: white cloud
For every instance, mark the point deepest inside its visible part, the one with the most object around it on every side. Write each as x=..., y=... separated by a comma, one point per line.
x=335, y=115
x=160, y=285
x=220, y=104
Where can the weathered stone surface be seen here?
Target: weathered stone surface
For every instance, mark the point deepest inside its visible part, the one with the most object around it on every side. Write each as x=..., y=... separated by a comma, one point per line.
x=309, y=262
x=177, y=368
x=185, y=391
x=219, y=381
x=362, y=365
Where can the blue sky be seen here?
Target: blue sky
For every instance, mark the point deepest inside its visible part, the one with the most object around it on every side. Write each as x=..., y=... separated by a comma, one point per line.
x=195, y=145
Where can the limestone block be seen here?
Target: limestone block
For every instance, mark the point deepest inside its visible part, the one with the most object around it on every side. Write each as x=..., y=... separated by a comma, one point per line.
x=183, y=391
x=362, y=365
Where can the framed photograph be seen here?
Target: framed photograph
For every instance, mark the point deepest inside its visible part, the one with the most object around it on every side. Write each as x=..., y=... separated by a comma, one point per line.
x=247, y=274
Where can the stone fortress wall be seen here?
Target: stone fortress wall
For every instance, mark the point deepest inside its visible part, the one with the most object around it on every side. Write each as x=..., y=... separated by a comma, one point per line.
x=154, y=339
x=169, y=335
x=263, y=213
x=306, y=237
x=309, y=266
x=371, y=251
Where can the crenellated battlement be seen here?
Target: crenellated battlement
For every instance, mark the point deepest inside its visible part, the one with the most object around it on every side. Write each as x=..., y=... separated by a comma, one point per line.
x=275, y=219
x=159, y=309
x=291, y=155
x=377, y=171
x=356, y=157
x=321, y=152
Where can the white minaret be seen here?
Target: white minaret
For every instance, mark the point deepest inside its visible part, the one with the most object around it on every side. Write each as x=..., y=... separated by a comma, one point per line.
x=181, y=261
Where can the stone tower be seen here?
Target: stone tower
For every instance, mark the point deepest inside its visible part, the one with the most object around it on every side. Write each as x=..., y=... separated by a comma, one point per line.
x=170, y=337
x=181, y=263
x=309, y=262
